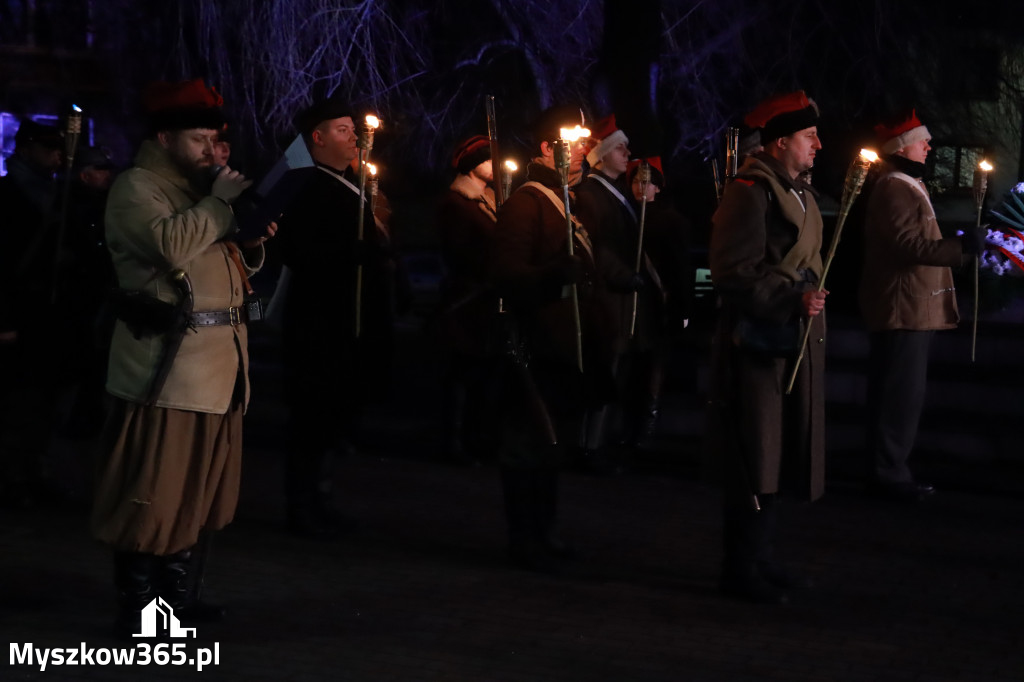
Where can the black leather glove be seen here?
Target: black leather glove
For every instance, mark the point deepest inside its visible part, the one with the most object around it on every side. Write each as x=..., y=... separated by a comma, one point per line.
x=565, y=270
x=973, y=240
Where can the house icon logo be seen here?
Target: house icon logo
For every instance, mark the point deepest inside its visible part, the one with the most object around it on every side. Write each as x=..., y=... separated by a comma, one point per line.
x=158, y=617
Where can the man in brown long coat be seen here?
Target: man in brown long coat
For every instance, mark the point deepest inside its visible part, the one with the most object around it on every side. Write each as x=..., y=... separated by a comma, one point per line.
x=906, y=295
x=172, y=444
x=545, y=393
x=765, y=262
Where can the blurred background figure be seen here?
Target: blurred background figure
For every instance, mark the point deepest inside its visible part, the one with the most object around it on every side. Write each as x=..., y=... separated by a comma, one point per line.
x=29, y=219
x=468, y=317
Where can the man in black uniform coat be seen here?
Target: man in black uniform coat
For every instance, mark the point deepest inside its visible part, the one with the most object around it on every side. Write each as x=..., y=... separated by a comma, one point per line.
x=614, y=225
x=28, y=238
x=329, y=371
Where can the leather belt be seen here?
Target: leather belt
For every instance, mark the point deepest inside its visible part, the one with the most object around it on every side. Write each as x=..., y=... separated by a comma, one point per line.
x=251, y=311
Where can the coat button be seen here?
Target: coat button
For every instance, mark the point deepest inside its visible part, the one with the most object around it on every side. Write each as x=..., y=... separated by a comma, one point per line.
x=821, y=340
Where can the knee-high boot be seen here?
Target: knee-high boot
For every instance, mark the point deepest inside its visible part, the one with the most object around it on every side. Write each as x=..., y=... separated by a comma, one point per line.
x=522, y=511
x=135, y=581
x=181, y=586
x=545, y=486
x=746, y=536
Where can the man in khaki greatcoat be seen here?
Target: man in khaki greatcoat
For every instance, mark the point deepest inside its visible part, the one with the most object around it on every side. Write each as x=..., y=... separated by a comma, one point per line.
x=765, y=259
x=172, y=445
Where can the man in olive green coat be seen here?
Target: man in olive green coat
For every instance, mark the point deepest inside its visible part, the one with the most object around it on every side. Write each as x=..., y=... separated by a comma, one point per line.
x=171, y=450
x=765, y=263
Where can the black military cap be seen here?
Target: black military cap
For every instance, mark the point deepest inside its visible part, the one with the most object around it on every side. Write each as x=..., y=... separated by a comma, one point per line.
x=38, y=133
x=321, y=110
x=546, y=127
x=97, y=157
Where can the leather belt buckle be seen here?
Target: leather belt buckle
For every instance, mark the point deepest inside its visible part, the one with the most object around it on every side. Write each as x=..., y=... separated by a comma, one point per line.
x=234, y=316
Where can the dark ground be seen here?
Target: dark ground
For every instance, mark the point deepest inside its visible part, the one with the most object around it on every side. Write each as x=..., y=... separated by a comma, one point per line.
x=420, y=590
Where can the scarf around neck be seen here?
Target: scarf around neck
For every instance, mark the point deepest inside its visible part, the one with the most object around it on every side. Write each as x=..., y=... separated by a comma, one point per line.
x=800, y=211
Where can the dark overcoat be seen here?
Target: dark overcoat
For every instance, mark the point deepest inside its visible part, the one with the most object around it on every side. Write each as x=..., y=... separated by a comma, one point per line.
x=469, y=305
x=317, y=238
x=614, y=230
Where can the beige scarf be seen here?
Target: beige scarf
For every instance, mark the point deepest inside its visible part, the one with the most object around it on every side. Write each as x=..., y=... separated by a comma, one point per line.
x=806, y=253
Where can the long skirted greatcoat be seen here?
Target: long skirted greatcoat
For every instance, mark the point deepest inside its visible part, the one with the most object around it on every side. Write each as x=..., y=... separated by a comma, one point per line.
x=172, y=467
x=763, y=440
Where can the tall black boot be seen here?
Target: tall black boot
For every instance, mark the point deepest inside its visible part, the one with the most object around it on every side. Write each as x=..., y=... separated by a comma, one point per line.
x=181, y=586
x=134, y=578
x=545, y=486
x=306, y=496
x=521, y=513
x=454, y=420
x=745, y=536
x=647, y=426
x=771, y=570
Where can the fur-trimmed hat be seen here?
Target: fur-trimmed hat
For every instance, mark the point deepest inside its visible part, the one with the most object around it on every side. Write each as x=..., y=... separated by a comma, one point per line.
x=325, y=109
x=471, y=153
x=782, y=115
x=606, y=136
x=909, y=130
x=183, y=105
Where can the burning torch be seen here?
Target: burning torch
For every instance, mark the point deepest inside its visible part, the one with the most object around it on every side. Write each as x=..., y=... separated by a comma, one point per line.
x=980, y=187
x=506, y=180
x=644, y=174
x=365, y=144
x=855, y=177
x=563, y=154
x=71, y=135
x=373, y=188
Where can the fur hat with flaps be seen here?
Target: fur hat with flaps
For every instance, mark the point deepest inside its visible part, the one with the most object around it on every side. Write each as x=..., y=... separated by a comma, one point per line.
x=471, y=153
x=183, y=105
x=782, y=115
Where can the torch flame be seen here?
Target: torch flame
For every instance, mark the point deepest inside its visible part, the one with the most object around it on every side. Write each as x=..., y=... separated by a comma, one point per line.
x=986, y=166
x=868, y=155
x=372, y=168
x=511, y=166
x=372, y=121
x=573, y=134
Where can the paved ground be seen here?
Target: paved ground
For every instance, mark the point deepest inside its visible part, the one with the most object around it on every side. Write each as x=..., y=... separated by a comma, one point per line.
x=421, y=591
